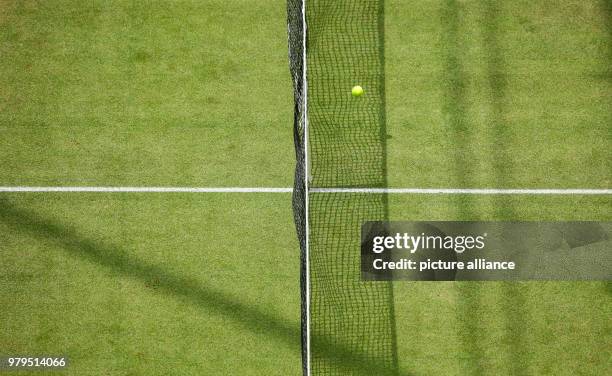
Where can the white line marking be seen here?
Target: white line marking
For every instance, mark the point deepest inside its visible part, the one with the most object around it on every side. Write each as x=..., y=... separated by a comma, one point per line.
x=431, y=191
x=147, y=189
x=467, y=191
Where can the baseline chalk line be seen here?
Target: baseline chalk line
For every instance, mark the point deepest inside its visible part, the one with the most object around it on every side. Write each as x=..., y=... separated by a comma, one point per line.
x=434, y=191
x=475, y=191
x=148, y=189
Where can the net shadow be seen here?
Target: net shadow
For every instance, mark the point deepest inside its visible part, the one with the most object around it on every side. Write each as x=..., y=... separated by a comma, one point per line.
x=352, y=322
x=347, y=139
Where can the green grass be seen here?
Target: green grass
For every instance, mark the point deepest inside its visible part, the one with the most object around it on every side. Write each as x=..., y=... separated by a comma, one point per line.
x=505, y=95
x=502, y=328
x=197, y=93
x=499, y=94
x=151, y=284
x=178, y=93
x=128, y=93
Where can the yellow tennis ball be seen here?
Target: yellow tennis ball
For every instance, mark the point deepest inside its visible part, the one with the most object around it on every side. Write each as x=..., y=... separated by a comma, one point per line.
x=357, y=91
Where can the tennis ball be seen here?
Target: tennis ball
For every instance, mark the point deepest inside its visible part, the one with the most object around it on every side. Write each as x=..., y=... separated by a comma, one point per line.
x=357, y=91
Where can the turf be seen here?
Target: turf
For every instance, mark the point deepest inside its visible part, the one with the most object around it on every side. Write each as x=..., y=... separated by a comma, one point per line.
x=144, y=93
x=504, y=95
x=190, y=93
x=151, y=284
x=499, y=94
x=502, y=328
x=478, y=94
x=181, y=93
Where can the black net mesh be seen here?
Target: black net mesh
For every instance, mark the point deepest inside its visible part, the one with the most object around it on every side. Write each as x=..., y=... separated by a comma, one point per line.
x=345, y=48
x=295, y=27
x=352, y=322
x=352, y=327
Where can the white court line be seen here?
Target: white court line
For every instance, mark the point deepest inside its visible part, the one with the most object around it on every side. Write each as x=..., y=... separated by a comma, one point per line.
x=470, y=191
x=434, y=191
x=148, y=189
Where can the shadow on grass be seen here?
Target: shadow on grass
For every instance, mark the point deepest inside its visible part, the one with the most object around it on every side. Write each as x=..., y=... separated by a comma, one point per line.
x=513, y=297
x=606, y=10
x=454, y=105
x=382, y=121
x=209, y=300
x=455, y=112
x=346, y=41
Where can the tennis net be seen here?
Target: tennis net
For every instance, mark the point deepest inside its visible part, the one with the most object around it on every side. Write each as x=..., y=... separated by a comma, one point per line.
x=348, y=325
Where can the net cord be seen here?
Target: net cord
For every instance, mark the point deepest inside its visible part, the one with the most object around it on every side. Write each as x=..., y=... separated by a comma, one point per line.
x=306, y=183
